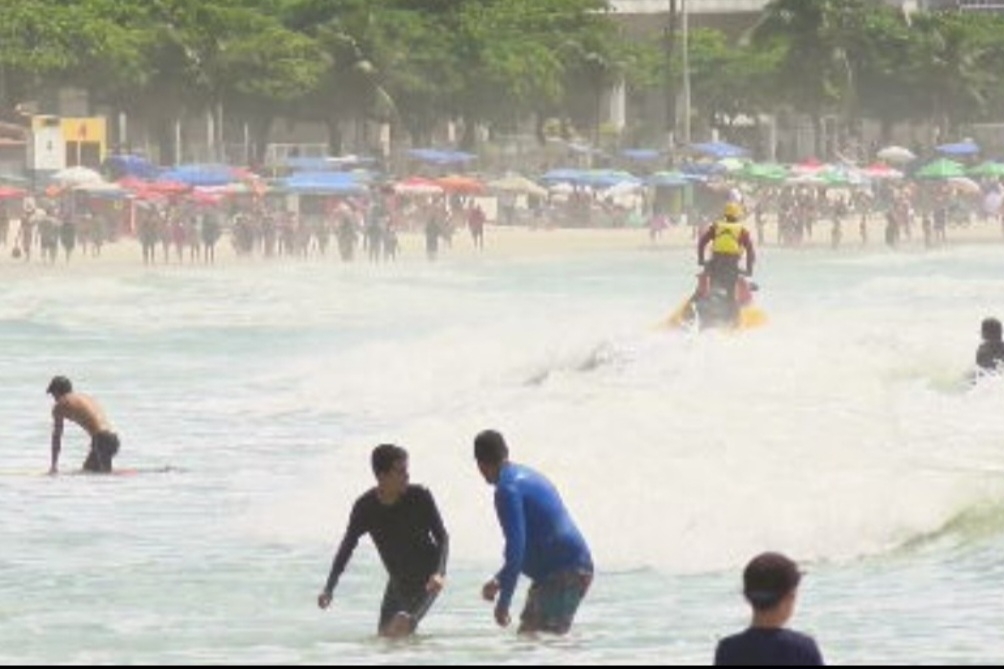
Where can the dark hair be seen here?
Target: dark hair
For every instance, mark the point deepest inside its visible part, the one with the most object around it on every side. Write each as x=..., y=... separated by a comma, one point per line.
x=490, y=448
x=385, y=456
x=59, y=386
x=769, y=578
x=991, y=329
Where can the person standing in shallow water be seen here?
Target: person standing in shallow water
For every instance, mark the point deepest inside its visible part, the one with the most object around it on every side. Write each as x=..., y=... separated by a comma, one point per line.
x=990, y=354
x=541, y=541
x=87, y=413
x=770, y=584
x=410, y=537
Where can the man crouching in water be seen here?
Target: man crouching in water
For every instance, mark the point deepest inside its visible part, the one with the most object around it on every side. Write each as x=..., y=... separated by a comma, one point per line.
x=86, y=413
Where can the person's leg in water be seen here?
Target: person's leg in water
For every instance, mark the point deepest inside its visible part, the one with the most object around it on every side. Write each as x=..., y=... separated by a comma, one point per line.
x=551, y=604
x=104, y=447
x=402, y=609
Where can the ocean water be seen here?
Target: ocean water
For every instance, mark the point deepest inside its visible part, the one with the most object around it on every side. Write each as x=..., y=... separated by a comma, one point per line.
x=842, y=433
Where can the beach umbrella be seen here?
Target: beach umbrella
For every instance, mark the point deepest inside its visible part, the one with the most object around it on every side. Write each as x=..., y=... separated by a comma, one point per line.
x=323, y=183
x=123, y=165
x=805, y=180
x=964, y=148
x=8, y=193
x=768, y=172
x=965, y=185
x=456, y=183
x=77, y=176
x=896, y=155
x=732, y=164
x=441, y=156
x=201, y=175
x=842, y=176
x=517, y=183
x=622, y=188
x=417, y=186
x=987, y=169
x=879, y=171
x=102, y=189
x=720, y=149
x=562, y=175
x=642, y=154
x=943, y=168
x=810, y=166
x=605, y=178
x=668, y=180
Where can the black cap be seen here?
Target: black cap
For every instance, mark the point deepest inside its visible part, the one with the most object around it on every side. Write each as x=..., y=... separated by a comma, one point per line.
x=59, y=386
x=768, y=578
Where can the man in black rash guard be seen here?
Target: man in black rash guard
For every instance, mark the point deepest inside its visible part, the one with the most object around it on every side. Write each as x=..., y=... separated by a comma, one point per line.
x=409, y=534
x=990, y=354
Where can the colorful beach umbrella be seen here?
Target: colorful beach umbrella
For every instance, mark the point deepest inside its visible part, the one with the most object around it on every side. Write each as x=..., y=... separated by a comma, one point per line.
x=987, y=169
x=943, y=168
x=897, y=155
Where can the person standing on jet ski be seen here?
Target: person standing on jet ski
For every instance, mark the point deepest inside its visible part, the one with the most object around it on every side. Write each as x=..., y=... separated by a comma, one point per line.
x=730, y=241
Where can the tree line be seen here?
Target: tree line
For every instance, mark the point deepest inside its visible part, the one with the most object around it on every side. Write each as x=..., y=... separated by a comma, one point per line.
x=497, y=64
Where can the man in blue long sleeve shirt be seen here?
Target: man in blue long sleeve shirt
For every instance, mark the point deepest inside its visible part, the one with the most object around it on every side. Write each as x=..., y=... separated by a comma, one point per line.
x=541, y=541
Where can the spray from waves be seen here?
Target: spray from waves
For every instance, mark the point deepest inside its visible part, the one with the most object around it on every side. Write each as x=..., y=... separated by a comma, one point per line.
x=972, y=525
x=690, y=453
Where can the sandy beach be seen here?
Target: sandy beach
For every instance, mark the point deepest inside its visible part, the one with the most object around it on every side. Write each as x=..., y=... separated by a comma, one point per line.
x=521, y=241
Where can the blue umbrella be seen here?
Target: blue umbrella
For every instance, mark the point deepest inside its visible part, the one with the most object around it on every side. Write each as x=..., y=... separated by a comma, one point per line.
x=562, y=175
x=668, y=180
x=964, y=148
x=441, y=156
x=200, y=175
x=642, y=154
x=130, y=166
x=324, y=183
x=720, y=149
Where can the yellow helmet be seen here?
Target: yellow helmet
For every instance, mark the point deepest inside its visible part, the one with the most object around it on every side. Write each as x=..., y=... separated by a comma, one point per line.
x=734, y=211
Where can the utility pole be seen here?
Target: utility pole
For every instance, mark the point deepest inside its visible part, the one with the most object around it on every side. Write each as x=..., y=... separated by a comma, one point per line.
x=686, y=73
x=670, y=43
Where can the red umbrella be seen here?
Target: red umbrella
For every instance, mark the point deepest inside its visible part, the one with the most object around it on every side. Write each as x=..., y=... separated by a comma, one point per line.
x=461, y=184
x=8, y=193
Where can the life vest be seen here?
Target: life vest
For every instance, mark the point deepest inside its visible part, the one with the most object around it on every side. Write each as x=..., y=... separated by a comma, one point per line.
x=726, y=239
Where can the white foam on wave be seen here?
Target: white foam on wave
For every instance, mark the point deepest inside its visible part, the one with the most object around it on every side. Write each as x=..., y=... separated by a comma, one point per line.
x=826, y=434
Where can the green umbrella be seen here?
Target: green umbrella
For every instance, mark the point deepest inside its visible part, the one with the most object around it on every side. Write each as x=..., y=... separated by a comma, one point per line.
x=987, y=169
x=943, y=168
x=763, y=172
